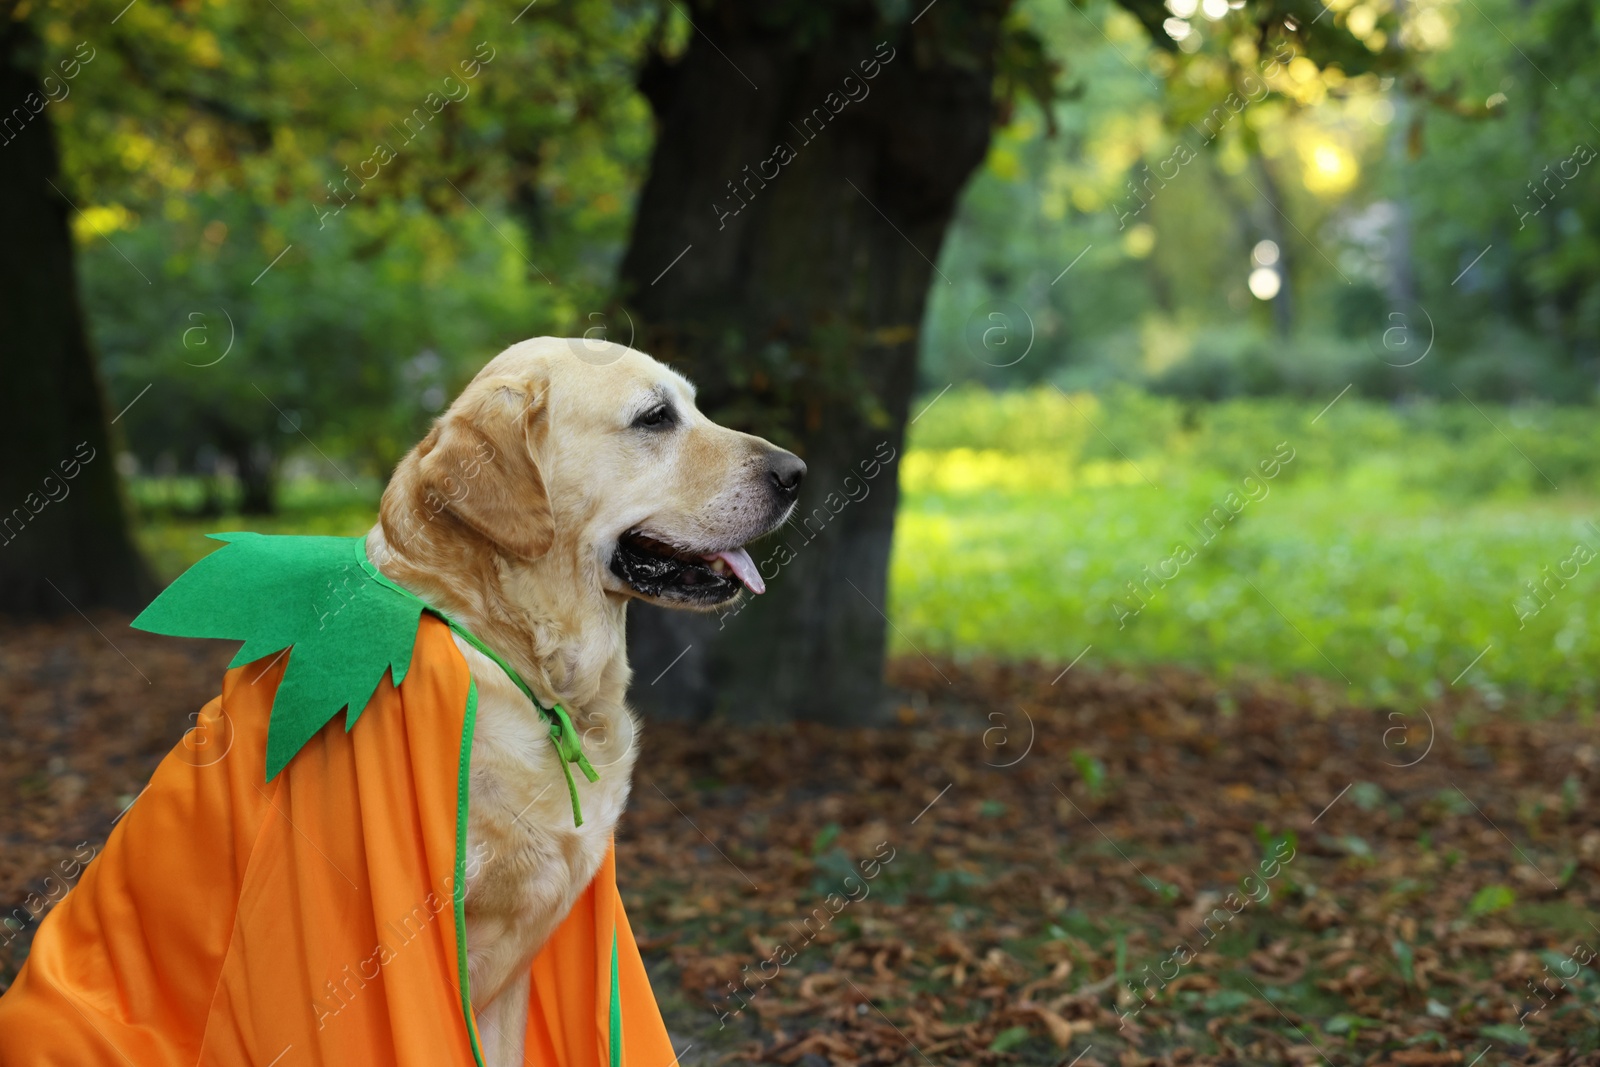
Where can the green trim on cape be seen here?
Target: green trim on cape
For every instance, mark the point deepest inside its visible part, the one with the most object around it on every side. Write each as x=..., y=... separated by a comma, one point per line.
x=459, y=895
x=616, y=1005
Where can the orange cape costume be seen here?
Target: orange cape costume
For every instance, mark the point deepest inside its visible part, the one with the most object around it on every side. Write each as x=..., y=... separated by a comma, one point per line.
x=316, y=916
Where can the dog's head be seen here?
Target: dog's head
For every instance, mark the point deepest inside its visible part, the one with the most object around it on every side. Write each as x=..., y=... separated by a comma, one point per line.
x=597, y=452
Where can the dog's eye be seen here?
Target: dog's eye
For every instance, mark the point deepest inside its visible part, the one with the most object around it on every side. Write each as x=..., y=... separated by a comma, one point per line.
x=656, y=418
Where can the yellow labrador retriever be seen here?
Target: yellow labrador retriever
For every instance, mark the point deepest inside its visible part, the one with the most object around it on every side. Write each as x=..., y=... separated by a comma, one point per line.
x=570, y=477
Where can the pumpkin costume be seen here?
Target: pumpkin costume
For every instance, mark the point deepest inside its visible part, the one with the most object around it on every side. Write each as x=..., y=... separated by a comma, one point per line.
x=288, y=893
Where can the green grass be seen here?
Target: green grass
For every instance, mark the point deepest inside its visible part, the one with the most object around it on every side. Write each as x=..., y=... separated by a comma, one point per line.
x=1388, y=553
x=173, y=536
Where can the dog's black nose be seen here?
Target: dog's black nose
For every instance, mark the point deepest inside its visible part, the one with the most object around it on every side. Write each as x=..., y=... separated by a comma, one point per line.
x=787, y=470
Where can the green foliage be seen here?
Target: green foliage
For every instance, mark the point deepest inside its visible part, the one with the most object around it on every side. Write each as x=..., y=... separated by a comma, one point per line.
x=835, y=872
x=1394, y=547
x=1367, y=795
x=824, y=838
x=1224, y=1001
x=1489, y=900
x=172, y=536
x=1378, y=186
x=1009, y=1039
x=1514, y=1036
x=1090, y=770
x=1350, y=1026
x=1273, y=843
x=347, y=345
x=304, y=229
x=1405, y=959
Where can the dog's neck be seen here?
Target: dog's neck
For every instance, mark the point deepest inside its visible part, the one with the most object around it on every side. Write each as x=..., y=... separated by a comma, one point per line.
x=549, y=618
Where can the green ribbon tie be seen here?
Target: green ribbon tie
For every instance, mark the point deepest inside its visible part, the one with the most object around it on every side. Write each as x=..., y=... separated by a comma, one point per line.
x=570, y=747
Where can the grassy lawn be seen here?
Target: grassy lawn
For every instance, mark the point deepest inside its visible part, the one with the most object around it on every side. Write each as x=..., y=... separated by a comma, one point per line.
x=173, y=536
x=1392, y=549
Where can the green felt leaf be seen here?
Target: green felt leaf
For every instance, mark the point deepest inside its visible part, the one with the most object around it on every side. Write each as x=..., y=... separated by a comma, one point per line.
x=313, y=595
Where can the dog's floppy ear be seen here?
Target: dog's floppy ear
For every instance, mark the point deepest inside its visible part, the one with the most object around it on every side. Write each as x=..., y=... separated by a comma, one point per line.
x=483, y=466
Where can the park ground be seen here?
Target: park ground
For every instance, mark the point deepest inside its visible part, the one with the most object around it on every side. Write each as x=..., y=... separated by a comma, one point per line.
x=1327, y=796
x=977, y=883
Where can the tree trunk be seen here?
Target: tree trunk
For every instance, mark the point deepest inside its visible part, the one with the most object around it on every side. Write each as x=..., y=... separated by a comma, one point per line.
x=254, y=465
x=64, y=537
x=781, y=256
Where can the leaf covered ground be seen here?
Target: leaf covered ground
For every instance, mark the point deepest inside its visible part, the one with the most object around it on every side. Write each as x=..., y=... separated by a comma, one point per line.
x=1286, y=878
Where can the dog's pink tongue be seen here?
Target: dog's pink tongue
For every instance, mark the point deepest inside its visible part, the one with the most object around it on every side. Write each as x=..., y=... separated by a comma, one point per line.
x=739, y=561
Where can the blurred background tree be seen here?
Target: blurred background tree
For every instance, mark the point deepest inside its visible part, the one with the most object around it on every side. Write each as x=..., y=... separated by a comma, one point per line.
x=55, y=440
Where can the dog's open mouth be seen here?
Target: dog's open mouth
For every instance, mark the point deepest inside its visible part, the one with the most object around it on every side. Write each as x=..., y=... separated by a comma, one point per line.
x=666, y=572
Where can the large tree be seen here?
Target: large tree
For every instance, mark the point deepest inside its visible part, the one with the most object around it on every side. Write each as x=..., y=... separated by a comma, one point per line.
x=808, y=162
x=64, y=537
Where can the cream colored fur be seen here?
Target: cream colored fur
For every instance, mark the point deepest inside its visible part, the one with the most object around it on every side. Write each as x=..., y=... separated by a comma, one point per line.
x=505, y=516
